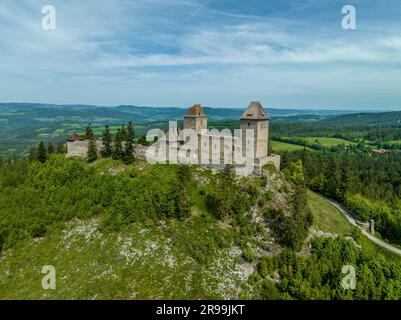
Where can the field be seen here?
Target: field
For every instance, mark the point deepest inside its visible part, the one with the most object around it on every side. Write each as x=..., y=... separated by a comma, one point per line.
x=279, y=146
x=323, y=141
x=326, y=217
x=327, y=142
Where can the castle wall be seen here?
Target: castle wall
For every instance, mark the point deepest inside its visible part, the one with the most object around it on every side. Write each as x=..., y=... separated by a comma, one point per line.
x=79, y=149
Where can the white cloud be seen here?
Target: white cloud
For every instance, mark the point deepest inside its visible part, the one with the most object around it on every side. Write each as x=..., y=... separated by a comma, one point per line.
x=125, y=51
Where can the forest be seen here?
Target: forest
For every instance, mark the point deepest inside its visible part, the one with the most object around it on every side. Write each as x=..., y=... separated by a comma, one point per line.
x=370, y=186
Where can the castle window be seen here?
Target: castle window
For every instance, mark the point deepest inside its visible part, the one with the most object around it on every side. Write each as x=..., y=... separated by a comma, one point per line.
x=249, y=123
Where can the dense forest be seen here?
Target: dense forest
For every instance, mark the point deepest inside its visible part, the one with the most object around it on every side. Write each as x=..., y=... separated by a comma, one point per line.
x=370, y=186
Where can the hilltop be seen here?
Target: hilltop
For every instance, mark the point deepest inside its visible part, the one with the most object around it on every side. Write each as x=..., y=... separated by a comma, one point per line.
x=141, y=231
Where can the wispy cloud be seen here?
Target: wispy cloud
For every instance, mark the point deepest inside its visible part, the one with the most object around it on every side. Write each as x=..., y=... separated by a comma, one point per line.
x=174, y=52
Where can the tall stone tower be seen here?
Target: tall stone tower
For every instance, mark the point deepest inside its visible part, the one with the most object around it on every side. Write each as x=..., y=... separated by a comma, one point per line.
x=255, y=117
x=195, y=119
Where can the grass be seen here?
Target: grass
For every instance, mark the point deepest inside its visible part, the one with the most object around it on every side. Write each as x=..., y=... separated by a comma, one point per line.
x=327, y=142
x=326, y=217
x=394, y=142
x=323, y=141
x=279, y=146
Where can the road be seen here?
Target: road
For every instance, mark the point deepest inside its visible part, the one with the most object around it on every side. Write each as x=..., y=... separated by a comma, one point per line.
x=350, y=217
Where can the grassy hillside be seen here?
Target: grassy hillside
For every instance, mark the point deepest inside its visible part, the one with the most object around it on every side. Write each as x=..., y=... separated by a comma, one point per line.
x=122, y=232
x=327, y=217
x=137, y=262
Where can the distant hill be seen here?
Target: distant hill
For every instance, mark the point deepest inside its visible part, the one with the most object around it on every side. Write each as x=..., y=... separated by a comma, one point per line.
x=378, y=118
x=145, y=114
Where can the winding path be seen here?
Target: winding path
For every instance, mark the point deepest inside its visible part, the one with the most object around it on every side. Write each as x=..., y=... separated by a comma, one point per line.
x=350, y=217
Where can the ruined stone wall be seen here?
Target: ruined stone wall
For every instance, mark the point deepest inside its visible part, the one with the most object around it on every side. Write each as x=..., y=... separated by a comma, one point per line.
x=80, y=149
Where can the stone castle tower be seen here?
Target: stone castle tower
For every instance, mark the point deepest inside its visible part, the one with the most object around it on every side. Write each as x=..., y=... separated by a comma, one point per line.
x=195, y=119
x=255, y=117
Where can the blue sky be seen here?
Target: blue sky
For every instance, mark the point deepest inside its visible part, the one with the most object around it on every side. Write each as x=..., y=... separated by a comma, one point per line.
x=285, y=53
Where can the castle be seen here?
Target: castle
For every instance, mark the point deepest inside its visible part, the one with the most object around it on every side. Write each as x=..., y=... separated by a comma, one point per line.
x=196, y=144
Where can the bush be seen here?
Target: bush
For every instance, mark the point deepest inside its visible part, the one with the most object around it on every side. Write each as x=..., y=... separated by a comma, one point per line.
x=38, y=231
x=356, y=234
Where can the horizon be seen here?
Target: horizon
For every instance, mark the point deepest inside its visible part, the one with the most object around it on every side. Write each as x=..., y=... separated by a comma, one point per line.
x=369, y=110
x=171, y=52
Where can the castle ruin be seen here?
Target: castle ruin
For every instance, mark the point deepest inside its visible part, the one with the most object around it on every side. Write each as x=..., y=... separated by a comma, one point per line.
x=213, y=149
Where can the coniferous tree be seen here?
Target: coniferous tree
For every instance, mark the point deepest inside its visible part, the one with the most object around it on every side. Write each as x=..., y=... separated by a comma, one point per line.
x=118, y=147
x=92, y=148
x=42, y=154
x=344, y=178
x=142, y=141
x=331, y=177
x=123, y=133
x=107, y=143
x=50, y=148
x=61, y=148
x=33, y=154
x=88, y=133
x=129, y=144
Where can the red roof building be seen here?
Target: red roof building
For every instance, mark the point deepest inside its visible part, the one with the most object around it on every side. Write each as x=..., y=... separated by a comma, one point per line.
x=74, y=137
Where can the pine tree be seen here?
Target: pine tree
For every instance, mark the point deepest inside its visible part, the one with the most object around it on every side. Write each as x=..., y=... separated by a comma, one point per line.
x=331, y=177
x=92, y=149
x=118, y=147
x=107, y=143
x=33, y=154
x=50, y=148
x=61, y=148
x=88, y=133
x=344, y=178
x=42, y=154
x=123, y=132
x=129, y=144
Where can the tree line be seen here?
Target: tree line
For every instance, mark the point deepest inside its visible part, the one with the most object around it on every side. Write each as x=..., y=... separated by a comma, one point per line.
x=119, y=147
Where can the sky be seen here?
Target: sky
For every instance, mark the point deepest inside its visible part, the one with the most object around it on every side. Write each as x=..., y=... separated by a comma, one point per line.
x=220, y=53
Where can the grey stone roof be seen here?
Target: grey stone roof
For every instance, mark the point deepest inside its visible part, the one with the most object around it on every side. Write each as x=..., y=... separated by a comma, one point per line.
x=255, y=111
